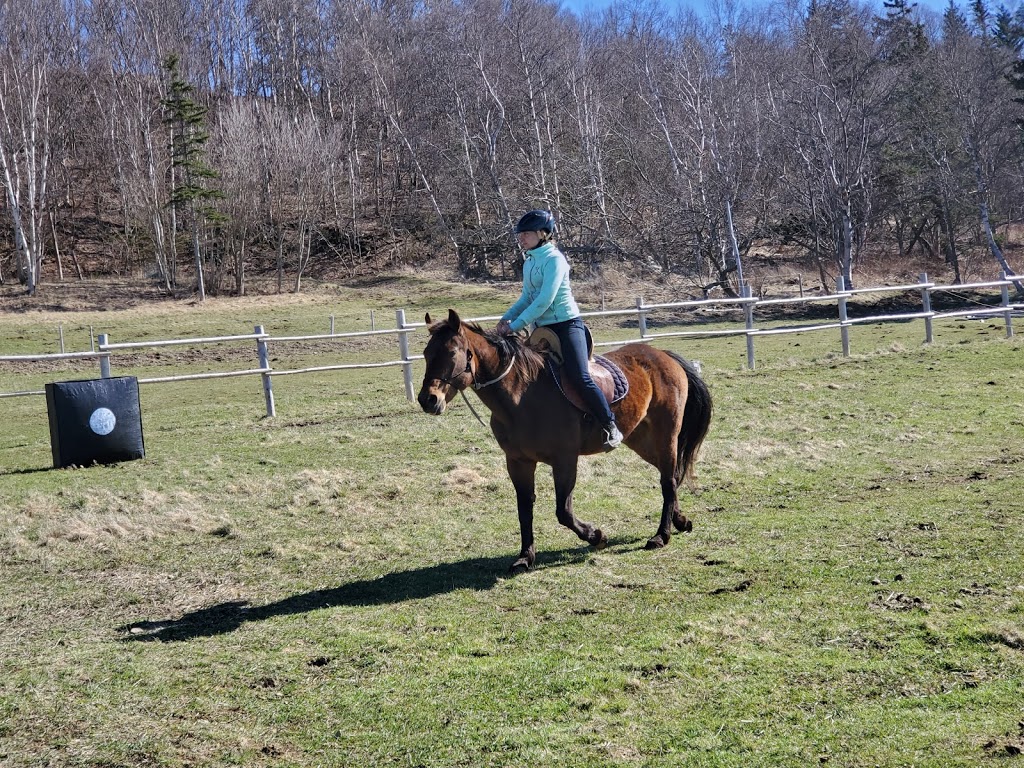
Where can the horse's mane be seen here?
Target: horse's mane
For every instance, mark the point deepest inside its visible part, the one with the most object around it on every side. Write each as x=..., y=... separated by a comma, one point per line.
x=528, y=362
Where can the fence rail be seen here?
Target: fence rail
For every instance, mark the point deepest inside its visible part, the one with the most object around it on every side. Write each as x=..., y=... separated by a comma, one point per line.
x=748, y=303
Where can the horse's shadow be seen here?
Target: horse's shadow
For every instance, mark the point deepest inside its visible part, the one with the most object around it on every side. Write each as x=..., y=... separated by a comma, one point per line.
x=26, y=471
x=478, y=573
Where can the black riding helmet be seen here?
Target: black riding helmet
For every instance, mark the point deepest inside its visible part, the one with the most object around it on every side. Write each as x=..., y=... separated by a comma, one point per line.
x=537, y=221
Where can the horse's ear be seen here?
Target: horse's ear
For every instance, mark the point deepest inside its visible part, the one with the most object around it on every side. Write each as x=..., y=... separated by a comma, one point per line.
x=429, y=322
x=454, y=320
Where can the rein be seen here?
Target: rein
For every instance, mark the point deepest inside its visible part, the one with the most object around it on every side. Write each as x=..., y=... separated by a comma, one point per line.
x=471, y=408
x=499, y=378
x=478, y=387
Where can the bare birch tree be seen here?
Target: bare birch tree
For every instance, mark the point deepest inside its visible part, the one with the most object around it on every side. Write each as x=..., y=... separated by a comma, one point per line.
x=35, y=38
x=236, y=151
x=833, y=110
x=985, y=117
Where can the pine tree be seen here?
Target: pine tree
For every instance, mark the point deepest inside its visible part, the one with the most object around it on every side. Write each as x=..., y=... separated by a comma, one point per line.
x=901, y=36
x=954, y=23
x=191, y=175
x=982, y=19
x=1009, y=34
x=1007, y=30
x=902, y=175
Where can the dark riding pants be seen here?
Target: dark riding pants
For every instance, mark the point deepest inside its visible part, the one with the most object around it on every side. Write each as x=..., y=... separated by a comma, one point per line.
x=573, y=338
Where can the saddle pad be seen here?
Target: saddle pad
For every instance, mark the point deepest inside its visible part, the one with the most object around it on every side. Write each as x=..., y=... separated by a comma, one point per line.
x=607, y=375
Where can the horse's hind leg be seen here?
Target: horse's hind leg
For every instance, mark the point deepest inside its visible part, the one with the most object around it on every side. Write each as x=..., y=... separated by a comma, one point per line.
x=660, y=450
x=670, y=514
x=681, y=522
x=565, y=482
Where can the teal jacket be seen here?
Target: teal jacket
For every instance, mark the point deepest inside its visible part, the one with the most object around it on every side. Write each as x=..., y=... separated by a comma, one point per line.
x=546, y=297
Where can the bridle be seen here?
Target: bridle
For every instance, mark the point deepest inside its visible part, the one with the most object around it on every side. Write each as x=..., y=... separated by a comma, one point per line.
x=477, y=386
x=450, y=380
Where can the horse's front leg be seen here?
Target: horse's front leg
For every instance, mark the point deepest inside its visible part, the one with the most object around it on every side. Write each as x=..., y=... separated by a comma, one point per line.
x=523, y=474
x=565, y=483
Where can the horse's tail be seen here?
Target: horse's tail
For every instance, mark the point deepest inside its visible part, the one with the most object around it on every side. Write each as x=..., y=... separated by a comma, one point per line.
x=696, y=420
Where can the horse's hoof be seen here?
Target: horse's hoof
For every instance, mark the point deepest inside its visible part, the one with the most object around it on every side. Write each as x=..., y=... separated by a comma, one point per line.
x=602, y=540
x=521, y=565
x=655, y=542
x=682, y=524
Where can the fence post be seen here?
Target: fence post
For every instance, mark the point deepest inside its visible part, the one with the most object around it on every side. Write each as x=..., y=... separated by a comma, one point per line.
x=403, y=350
x=926, y=307
x=1007, y=314
x=60, y=331
x=641, y=316
x=844, y=327
x=104, y=357
x=748, y=315
x=264, y=356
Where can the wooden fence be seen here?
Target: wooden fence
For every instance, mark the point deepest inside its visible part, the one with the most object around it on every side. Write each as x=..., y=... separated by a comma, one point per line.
x=642, y=311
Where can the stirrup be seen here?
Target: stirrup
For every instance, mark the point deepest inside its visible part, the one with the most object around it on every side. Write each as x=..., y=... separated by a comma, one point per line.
x=612, y=437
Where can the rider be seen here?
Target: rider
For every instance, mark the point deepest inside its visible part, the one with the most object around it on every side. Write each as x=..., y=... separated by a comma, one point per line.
x=547, y=300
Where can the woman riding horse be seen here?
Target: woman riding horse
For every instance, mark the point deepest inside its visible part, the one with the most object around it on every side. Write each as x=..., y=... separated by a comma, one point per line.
x=665, y=416
x=547, y=300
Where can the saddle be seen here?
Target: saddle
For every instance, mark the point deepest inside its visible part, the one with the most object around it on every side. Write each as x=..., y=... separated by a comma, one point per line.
x=608, y=377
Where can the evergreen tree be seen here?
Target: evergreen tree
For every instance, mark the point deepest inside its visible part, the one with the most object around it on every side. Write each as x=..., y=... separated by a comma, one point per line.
x=190, y=190
x=1008, y=31
x=982, y=19
x=903, y=187
x=901, y=36
x=1009, y=34
x=954, y=23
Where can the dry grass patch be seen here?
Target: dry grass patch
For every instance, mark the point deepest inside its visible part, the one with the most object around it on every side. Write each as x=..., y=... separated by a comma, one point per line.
x=464, y=480
x=321, y=488
x=754, y=456
x=99, y=518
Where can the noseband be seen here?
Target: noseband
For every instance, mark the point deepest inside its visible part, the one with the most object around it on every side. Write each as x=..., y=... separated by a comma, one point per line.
x=448, y=380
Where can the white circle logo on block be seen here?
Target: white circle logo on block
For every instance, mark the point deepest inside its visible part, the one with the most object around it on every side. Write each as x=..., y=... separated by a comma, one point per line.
x=102, y=421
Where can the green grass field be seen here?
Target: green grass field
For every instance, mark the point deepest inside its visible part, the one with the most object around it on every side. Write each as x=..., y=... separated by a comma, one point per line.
x=329, y=587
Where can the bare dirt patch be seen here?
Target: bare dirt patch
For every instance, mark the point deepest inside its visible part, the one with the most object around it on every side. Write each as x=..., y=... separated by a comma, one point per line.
x=86, y=296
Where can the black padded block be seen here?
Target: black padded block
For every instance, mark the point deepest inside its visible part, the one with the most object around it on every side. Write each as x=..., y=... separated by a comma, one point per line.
x=94, y=421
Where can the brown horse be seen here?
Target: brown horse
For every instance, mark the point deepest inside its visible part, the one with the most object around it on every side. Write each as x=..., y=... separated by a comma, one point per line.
x=664, y=417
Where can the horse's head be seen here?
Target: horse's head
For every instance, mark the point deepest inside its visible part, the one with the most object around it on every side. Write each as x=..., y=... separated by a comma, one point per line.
x=449, y=361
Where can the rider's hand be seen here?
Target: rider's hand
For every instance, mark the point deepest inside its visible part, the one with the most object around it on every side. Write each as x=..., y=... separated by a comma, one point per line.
x=504, y=328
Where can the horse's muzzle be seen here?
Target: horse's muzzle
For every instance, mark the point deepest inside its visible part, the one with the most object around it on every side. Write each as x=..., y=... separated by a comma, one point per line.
x=430, y=402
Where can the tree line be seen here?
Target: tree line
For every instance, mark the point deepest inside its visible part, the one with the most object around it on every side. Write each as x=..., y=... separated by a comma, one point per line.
x=201, y=140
